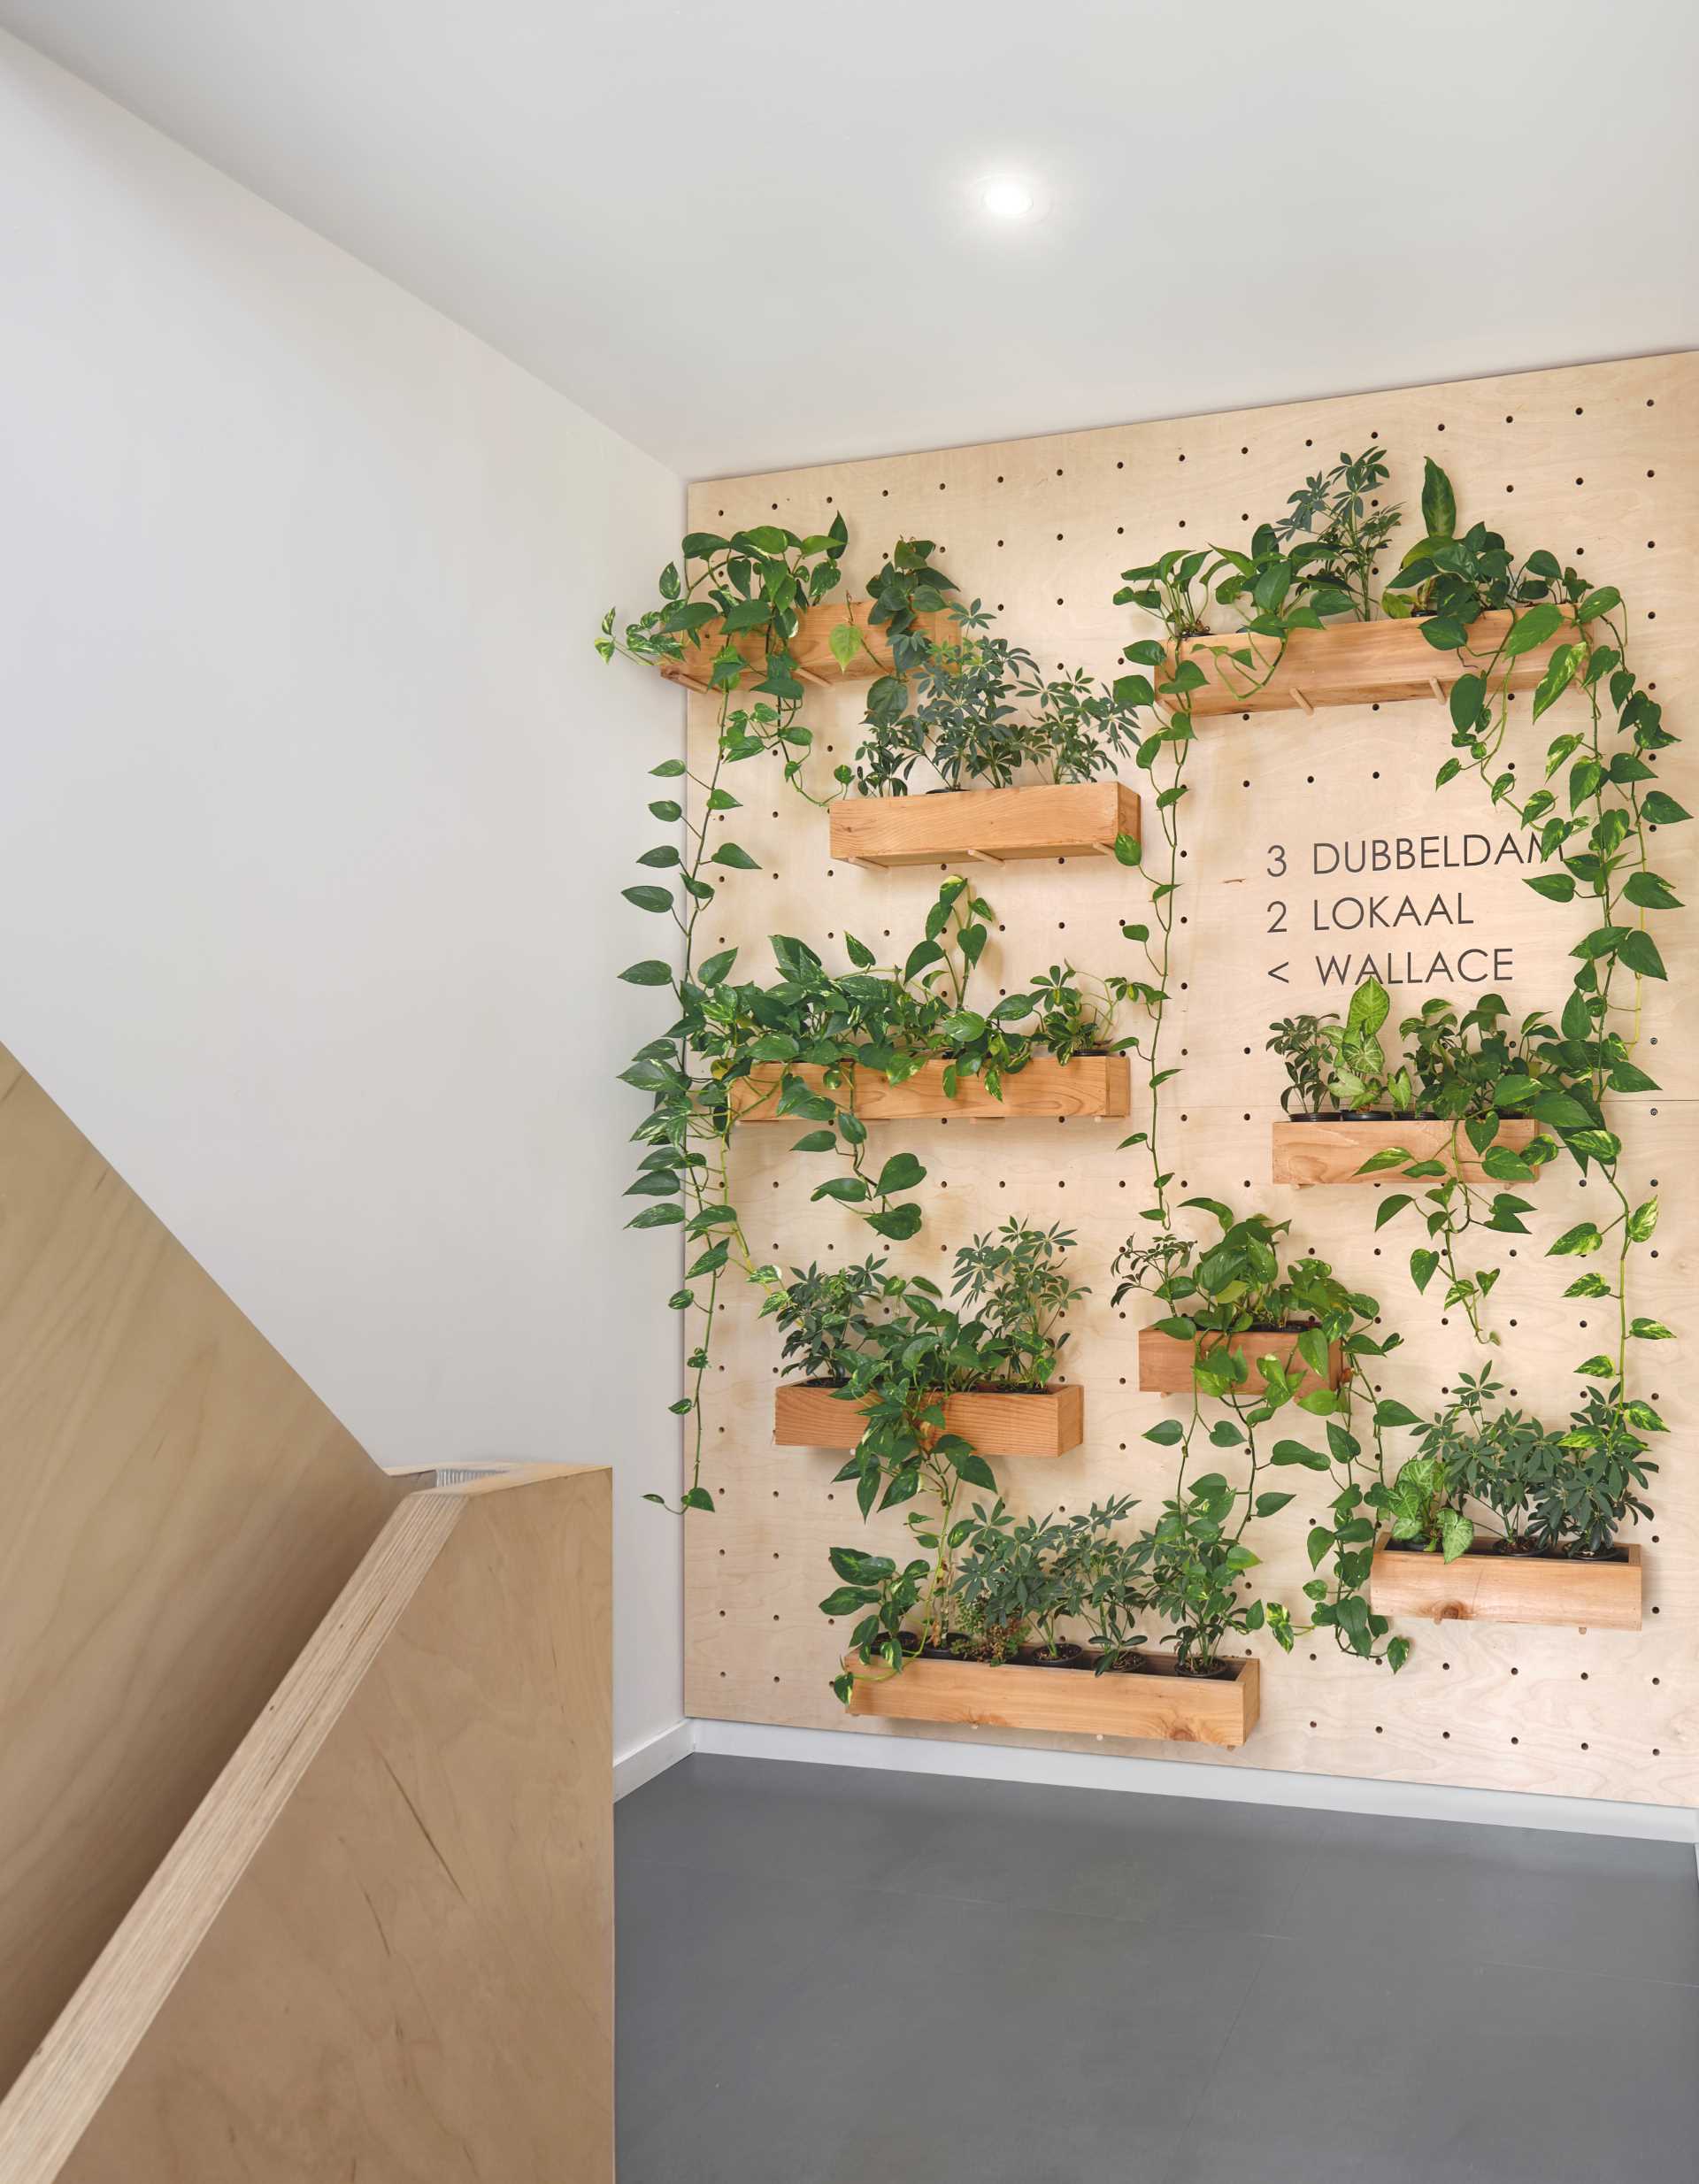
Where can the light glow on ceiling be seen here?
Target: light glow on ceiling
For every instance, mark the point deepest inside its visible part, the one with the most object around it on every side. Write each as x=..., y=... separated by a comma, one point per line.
x=1006, y=199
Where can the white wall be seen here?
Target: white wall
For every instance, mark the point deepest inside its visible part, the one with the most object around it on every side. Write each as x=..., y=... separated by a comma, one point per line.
x=314, y=806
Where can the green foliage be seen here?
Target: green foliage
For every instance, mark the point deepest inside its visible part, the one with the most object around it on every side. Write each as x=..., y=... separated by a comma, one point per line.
x=738, y=1046
x=1304, y=1044
x=975, y=711
x=1198, y=1556
x=908, y=586
x=881, y=1596
x=827, y=1318
x=1552, y=1493
x=1469, y=1070
x=754, y=585
x=1361, y=1075
x=1472, y=1065
x=1239, y=1286
x=1014, y=1291
x=1016, y=1283
x=1014, y=1584
x=1453, y=1065
x=1343, y=527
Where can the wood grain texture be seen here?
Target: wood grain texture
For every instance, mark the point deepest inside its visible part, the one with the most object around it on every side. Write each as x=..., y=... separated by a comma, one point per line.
x=180, y=1511
x=1349, y=802
x=1166, y=1362
x=986, y=825
x=1155, y=1705
x=383, y=1948
x=1092, y=1086
x=1046, y=1422
x=1352, y=663
x=1304, y=1154
x=1483, y=1587
x=810, y=649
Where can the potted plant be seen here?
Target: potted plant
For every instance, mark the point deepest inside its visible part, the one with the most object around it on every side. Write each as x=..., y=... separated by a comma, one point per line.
x=903, y=1043
x=1011, y=1591
x=757, y=609
x=1313, y=639
x=892, y=630
x=1499, y=1518
x=1446, y=1115
x=972, y=752
x=997, y=1355
x=1292, y=1327
x=993, y=1653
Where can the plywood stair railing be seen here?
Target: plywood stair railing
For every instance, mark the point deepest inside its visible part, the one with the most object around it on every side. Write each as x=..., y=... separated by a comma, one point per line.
x=180, y=1511
x=304, y=1774
x=383, y=1947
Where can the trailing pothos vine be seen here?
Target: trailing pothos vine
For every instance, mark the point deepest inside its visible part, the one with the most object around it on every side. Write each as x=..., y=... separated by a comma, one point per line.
x=1594, y=830
x=1208, y=1519
x=797, y=1047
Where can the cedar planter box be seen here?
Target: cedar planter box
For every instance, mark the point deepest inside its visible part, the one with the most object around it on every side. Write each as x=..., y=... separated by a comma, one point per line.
x=1333, y=1148
x=989, y=824
x=1091, y=1085
x=1155, y=1702
x=1485, y=1588
x=1166, y=1362
x=810, y=647
x=1046, y=1421
x=1353, y=664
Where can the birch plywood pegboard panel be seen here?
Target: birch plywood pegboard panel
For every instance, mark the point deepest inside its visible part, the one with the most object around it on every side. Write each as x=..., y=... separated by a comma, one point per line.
x=1311, y=841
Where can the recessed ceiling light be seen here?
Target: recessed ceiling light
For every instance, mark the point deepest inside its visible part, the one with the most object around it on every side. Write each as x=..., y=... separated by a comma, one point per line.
x=1007, y=200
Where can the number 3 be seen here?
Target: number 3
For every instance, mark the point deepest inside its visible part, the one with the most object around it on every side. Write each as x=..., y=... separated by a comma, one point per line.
x=1279, y=866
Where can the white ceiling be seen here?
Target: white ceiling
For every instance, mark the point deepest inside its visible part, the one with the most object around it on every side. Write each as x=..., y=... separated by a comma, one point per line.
x=748, y=236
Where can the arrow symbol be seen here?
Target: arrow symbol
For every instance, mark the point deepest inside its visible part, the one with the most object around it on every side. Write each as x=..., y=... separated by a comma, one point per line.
x=1280, y=972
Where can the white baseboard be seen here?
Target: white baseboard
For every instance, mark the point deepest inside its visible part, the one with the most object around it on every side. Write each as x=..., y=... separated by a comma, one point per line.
x=1323, y=1793
x=643, y=1761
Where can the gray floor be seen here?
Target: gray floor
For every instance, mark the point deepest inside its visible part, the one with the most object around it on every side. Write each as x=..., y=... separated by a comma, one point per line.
x=829, y=1975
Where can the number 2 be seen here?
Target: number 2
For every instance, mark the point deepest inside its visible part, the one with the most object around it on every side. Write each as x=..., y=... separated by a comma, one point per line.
x=1277, y=911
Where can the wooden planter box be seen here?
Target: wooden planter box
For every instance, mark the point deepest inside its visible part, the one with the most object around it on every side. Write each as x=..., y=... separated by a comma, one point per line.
x=1482, y=1588
x=1305, y=1153
x=1092, y=1085
x=1354, y=664
x=1045, y=1422
x=1157, y=1703
x=987, y=825
x=810, y=647
x=1166, y=1362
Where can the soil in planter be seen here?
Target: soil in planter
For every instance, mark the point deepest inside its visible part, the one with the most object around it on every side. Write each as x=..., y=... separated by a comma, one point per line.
x=1213, y=1338
x=1505, y=1551
x=979, y=1388
x=1081, y=1659
x=1388, y=1114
